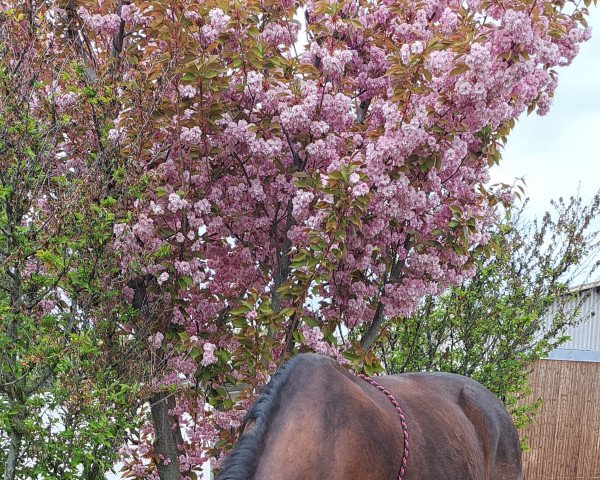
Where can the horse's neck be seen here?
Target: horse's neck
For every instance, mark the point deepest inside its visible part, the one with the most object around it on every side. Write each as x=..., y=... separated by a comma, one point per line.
x=326, y=427
x=292, y=445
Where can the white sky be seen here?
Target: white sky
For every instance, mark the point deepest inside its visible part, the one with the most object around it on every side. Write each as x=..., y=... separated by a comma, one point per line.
x=559, y=152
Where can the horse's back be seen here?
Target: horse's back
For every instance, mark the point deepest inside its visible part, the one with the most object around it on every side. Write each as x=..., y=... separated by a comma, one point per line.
x=462, y=424
x=317, y=421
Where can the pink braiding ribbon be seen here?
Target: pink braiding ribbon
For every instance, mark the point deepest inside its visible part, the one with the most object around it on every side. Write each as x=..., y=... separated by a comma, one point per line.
x=402, y=420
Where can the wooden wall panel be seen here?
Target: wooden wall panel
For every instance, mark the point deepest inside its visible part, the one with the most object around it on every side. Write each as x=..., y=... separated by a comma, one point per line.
x=564, y=441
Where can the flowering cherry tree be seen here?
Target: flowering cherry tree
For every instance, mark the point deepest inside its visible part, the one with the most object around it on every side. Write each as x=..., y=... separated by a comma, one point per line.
x=280, y=191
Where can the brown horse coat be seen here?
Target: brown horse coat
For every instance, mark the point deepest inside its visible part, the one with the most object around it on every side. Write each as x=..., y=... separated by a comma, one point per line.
x=316, y=421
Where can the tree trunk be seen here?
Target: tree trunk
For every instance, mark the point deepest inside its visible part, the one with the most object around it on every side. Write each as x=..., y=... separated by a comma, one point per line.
x=14, y=394
x=166, y=427
x=374, y=328
x=12, y=456
x=168, y=435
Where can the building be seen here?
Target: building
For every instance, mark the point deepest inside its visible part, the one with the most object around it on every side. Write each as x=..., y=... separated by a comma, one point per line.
x=584, y=344
x=564, y=441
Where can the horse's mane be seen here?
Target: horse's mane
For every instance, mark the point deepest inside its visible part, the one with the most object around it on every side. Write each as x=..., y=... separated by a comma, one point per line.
x=241, y=464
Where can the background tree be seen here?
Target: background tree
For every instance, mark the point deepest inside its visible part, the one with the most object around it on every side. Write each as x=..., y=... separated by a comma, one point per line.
x=513, y=311
x=64, y=409
x=264, y=196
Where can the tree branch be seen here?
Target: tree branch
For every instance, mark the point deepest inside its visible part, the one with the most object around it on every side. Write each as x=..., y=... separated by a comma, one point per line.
x=361, y=111
x=379, y=319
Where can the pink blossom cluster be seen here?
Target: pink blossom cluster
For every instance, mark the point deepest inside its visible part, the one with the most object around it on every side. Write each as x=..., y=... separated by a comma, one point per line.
x=314, y=339
x=107, y=24
x=131, y=13
x=191, y=136
x=208, y=356
x=216, y=25
x=66, y=101
x=281, y=33
x=156, y=340
x=187, y=91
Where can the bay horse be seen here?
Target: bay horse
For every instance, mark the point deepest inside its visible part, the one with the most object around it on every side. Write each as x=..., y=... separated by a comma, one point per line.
x=316, y=421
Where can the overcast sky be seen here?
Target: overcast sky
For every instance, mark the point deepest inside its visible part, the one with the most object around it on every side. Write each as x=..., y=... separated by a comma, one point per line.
x=560, y=151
